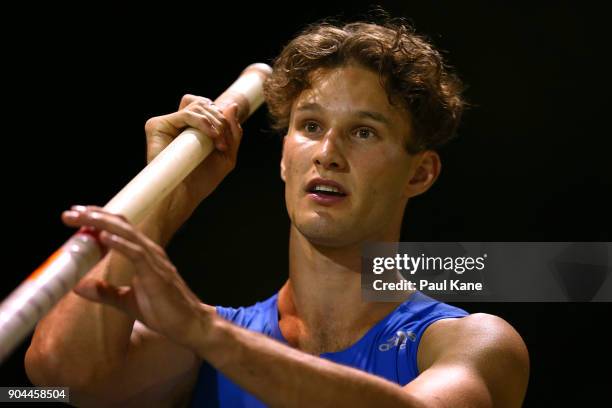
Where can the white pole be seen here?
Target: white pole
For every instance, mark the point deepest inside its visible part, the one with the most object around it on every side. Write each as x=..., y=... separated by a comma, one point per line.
x=33, y=298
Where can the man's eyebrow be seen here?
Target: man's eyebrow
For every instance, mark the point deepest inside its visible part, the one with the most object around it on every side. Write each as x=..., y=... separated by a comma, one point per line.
x=376, y=116
x=309, y=107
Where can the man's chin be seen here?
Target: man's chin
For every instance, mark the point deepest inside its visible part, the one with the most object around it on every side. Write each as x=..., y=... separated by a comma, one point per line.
x=323, y=234
x=326, y=242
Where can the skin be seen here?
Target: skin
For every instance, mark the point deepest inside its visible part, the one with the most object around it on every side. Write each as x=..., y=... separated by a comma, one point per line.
x=343, y=129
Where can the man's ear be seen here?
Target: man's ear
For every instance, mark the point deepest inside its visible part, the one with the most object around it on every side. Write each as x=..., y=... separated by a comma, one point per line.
x=425, y=170
x=282, y=162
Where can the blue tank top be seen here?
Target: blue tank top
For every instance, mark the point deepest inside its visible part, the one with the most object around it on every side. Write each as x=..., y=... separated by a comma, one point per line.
x=388, y=349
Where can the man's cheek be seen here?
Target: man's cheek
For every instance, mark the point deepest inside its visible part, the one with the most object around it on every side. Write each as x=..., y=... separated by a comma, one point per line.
x=293, y=175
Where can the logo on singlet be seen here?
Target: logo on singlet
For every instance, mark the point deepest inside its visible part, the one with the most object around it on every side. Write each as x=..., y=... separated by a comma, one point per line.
x=399, y=339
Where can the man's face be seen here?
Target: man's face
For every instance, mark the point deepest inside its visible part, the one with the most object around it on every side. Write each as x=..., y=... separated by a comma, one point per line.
x=345, y=136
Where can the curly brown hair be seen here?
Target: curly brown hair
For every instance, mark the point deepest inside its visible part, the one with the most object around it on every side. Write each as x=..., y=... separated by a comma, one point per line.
x=411, y=71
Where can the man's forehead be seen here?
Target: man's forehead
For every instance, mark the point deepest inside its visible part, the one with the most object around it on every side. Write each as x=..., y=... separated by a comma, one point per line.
x=351, y=90
x=346, y=82
x=352, y=83
x=373, y=114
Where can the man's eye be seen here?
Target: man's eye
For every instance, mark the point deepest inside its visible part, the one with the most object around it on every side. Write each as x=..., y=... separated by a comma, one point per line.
x=311, y=127
x=365, y=133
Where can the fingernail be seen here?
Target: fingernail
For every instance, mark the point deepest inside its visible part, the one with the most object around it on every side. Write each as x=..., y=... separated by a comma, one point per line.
x=95, y=216
x=71, y=214
x=79, y=208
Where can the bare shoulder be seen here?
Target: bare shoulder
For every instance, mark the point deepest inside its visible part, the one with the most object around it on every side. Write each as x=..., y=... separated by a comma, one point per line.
x=479, y=335
x=486, y=345
x=477, y=323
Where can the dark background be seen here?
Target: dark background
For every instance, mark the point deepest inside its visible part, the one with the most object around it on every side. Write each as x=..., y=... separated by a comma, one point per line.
x=531, y=162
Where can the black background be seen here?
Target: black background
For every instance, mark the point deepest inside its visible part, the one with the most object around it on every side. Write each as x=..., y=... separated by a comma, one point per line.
x=531, y=162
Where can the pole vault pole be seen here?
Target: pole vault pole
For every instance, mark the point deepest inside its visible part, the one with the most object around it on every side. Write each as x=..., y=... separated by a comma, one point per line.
x=33, y=298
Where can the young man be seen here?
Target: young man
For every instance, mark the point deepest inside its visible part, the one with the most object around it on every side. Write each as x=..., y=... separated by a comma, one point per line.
x=364, y=107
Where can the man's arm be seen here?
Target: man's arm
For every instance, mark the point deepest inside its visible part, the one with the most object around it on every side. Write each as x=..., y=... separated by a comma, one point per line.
x=474, y=361
x=102, y=354
x=477, y=361
x=98, y=351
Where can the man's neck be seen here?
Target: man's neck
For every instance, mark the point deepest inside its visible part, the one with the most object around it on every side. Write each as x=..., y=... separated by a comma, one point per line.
x=320, y=305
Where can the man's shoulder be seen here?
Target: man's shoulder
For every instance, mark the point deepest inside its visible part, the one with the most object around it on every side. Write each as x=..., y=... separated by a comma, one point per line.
x=482, y=337
x=483, y=347
x=477, y=325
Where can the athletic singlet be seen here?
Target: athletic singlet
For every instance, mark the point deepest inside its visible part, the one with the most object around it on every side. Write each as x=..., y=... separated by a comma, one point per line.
x=388, y=349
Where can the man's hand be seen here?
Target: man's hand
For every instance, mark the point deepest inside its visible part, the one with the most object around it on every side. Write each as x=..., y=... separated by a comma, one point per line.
x=220, y=124
x=157, y=296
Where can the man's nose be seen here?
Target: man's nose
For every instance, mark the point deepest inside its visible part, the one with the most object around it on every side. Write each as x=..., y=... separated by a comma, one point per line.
x=330, y=153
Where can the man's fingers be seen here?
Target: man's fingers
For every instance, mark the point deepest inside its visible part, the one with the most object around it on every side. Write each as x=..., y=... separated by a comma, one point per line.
x=87, y=288
x=83, y=208
x=220, y=126
x=101, y=221
x=232, y=119
x=134, y=252
x=98, y=290
x=115, y=233
x=202, y=114
x=203, y=121
x=120, y=297
x=188, y=99
x=213, y=113
x=223, y=124
x=146, y=263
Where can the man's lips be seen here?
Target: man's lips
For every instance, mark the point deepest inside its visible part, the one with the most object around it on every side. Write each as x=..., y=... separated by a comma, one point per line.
x=326, y=192
x=324, y=185
x=325, y=199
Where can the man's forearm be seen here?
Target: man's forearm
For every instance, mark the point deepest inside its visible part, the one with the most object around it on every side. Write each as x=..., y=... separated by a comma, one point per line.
x=282, y=376
x=78, y=338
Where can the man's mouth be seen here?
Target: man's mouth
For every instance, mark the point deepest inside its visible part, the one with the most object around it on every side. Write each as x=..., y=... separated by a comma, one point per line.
x=326, y=192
